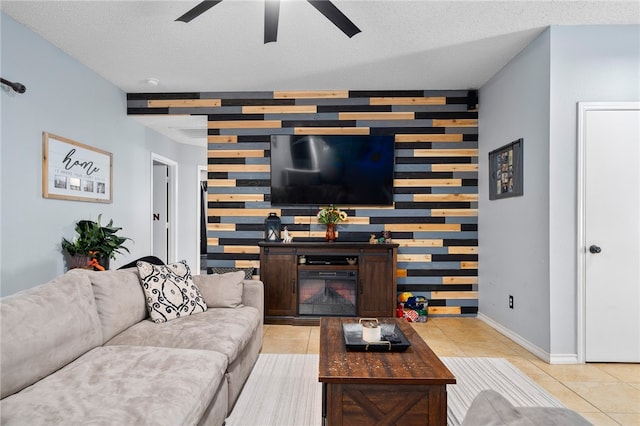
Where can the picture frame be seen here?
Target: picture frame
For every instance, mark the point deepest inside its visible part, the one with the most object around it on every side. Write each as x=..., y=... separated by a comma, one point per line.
x=506, y=171
x=75, y=171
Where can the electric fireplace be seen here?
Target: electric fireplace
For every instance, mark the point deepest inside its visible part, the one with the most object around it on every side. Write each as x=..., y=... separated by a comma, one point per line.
x=327, y=293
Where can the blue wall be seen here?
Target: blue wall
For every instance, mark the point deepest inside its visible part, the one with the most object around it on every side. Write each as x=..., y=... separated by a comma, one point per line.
x=66, y=98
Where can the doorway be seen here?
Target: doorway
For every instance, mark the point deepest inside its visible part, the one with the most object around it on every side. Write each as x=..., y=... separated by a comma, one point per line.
x=608, y=232
x=164, y=192
x=202, y=219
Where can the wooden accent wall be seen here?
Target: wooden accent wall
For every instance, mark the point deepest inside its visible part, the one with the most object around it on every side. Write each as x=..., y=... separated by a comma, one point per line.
x=434, y=218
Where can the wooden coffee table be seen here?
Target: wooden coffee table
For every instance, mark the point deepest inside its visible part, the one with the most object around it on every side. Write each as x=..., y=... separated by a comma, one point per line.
x=382, y=388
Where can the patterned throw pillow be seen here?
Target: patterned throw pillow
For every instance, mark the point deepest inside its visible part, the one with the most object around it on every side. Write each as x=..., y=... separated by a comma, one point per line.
x=170, y=291
x=248, y=272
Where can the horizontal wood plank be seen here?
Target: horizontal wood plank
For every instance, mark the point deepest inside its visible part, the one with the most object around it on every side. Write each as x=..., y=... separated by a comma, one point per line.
x=462, y=122
x=245, y=124
x=221, y=226
x=255, y=264
x=414, y=257
x=222, y=139
x=419, y=243
x=242, y=249
x=246, y=168
x=454, y=212
x=437, y=100
x=445, y=152
x=376, y=116
x=184, y=103
x=454, y=294
x=429, y=137
x=408, y=183
x=240, y=153
x=459, y=280
x=443, y=310
x=234, y=197
x=331, y=131
x=462, y=250
x=422, y=227
x=316, y=94
x=221, y=183
x=446, y=197
x=244, y=212
x=454, y=167
x=279, y=109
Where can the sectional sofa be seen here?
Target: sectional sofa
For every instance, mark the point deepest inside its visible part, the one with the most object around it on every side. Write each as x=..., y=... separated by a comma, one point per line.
x=81, y=349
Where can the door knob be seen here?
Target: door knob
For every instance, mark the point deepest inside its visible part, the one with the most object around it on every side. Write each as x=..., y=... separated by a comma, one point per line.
x=595, y=249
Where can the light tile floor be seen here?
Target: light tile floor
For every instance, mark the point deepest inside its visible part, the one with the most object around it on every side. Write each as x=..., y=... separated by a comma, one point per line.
x=605, y=394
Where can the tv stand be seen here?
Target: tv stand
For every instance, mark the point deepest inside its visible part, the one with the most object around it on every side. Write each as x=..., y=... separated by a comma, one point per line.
x=367, y=279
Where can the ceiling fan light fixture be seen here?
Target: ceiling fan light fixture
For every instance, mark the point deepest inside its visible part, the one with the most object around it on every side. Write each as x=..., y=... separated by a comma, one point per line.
x=272, y=10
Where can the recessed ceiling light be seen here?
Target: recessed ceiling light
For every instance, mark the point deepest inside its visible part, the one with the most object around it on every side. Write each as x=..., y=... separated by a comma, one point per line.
x=152, y=81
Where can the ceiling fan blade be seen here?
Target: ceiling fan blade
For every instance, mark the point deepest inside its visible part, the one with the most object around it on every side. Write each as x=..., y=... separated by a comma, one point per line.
x=339, y=19
x=198, y=10
x=271, y=13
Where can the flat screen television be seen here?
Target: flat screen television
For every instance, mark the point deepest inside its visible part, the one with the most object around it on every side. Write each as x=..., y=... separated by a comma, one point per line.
x=334, y=169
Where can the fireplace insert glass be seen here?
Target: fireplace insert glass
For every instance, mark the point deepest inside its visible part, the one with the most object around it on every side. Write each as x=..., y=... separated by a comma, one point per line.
x=327, y=293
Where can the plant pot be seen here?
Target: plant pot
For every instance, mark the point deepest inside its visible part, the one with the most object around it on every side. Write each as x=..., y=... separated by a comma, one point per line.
x=330, y=235
x=78, y=261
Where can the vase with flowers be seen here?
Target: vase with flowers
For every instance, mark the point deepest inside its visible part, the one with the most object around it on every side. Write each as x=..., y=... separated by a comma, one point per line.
x=94, y=245
x=331, y=216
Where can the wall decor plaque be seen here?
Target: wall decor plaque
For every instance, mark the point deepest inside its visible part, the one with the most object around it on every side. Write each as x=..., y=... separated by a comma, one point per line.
x=505, y=171
x=75, y=171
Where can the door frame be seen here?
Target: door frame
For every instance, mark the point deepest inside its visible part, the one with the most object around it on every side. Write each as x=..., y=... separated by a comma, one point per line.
x=583, y=109
x=200, y=170
x=172, y=200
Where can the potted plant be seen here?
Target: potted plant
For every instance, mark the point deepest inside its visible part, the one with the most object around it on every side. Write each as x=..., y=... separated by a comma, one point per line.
x=94, y=245
x=331, y=216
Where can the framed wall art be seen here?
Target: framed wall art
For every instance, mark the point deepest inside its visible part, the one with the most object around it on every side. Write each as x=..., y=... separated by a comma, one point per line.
x=74, y=171
x=505, y=171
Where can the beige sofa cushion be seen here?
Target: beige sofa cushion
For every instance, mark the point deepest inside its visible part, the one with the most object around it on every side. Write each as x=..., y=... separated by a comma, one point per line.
x=122, y=385
x=223, y=330
x=46, y=327
x=119, y=298
x=221, y=290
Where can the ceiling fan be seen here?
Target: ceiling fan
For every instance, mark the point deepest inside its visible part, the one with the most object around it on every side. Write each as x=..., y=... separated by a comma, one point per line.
x=272, y=11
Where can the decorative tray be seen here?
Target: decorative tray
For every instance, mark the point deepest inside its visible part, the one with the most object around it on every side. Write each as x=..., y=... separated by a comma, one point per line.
x=392, y=339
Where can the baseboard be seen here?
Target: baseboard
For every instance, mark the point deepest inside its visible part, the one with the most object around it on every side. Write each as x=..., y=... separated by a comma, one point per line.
x=534, y=349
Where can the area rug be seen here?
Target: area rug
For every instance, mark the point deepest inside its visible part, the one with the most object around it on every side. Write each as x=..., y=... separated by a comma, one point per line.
x=283, y=390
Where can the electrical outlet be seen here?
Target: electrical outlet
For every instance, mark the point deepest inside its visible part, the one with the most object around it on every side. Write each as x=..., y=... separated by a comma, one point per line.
x=511, y=301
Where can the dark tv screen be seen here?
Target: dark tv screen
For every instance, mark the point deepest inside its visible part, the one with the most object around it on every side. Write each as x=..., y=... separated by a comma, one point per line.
x=345, y=170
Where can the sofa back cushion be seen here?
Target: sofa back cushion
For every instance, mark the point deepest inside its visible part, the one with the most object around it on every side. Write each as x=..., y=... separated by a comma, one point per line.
x=119, y=298
x=221, y=290
x=46, y=327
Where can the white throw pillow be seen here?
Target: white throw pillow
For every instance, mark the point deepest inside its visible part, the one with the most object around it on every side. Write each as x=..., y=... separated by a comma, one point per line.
x=170, y=291
x=221, y=290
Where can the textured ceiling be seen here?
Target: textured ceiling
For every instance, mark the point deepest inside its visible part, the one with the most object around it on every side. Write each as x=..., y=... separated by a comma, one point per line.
x=403, y=44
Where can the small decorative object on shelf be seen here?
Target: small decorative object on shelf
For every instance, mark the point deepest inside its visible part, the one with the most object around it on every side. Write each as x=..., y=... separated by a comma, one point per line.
x=287, y=237
x=272, y=227
x=331, y=216
x=373, y=239
x=94, y=245
x=387, y=236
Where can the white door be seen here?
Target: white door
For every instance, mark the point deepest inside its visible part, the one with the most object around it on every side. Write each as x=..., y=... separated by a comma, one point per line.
x=611, y=144
x=160, y=211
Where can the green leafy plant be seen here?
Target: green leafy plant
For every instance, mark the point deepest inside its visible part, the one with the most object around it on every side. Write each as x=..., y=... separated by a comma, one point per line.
x=95, y=240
